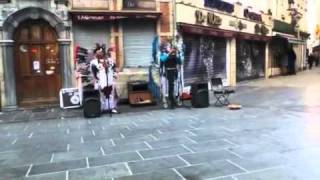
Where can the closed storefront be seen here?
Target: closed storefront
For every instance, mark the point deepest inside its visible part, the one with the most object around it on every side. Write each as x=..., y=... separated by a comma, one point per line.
x=250, y=59
x=205, y=56
x=138, y=37
x=87, y=34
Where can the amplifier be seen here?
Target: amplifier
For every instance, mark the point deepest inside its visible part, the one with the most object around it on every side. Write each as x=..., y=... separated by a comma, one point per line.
x=140, y=98
x=69, y=98
x=139, y=93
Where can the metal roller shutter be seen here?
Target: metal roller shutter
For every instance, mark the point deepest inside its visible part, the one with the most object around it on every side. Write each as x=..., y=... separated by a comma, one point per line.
x=194, y=67
x=88, y=34
x=204, y=57
x=137, y=38
x=250, y=59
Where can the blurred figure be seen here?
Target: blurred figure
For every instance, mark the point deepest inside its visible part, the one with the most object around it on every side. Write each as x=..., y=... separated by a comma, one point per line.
x=291, y=61
x=311, y=58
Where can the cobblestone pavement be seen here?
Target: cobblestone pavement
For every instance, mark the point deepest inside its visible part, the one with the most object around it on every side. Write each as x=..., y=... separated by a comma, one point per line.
x=275, y=136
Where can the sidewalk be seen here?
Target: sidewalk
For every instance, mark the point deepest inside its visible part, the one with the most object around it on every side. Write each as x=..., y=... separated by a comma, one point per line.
x=243, y=91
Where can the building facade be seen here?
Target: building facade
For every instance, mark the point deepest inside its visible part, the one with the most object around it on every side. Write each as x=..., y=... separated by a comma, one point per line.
x=290, y=24
x=226, y=40
x=38, y=39
x=35, y=52
x=231, y=39
x=131, y=27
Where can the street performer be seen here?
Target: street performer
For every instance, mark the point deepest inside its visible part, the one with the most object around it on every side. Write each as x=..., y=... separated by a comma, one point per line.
x=104, y=71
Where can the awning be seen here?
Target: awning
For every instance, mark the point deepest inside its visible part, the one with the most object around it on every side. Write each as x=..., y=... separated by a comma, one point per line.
x=291, y=38
x=253, y=37
x=86, y=16
x=283, y=27
x=202, y=30
x=211, y=31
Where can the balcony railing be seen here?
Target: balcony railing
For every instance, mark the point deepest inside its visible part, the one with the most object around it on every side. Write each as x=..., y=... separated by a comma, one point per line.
x=139, y=4
x=91, y=4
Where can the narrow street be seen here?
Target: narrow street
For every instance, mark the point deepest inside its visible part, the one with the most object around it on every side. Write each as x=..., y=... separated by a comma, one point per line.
x=275, y=136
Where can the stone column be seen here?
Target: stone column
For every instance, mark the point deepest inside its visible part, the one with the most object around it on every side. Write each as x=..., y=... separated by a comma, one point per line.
x=233, y=62
x=267, y=62
x=65, y=61
x=10, y=98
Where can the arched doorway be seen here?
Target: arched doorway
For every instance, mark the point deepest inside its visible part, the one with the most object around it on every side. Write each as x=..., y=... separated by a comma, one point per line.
x=37, y=63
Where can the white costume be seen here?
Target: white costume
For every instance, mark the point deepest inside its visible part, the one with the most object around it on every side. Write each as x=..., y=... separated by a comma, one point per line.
x=105, y=82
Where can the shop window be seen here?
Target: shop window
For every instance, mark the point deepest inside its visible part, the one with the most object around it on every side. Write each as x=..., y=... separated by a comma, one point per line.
x=139, y=4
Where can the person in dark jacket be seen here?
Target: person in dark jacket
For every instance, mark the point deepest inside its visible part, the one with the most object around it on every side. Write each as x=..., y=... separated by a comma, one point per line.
x=291, y=61
x=170, y=64
x=311, y=60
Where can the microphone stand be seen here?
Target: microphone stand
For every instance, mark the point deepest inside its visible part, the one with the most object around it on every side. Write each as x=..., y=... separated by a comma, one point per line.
x=107, y=71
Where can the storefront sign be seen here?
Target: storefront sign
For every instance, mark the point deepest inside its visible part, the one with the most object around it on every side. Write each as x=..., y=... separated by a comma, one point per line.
x=96, y=17
x=139, y=4
x=239, y=25
x=261, y=29
x=106, y=17
x=211, y=18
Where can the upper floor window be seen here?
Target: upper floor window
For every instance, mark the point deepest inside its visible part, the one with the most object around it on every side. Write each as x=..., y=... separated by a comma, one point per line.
x=219, y=5
x=139, y=4
x=90, y=4
x=252, y=15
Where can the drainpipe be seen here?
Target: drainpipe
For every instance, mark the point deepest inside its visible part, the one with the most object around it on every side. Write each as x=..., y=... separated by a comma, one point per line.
x=174, y=21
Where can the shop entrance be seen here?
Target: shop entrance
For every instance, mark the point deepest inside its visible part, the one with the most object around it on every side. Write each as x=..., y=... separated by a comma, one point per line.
x=37, y=64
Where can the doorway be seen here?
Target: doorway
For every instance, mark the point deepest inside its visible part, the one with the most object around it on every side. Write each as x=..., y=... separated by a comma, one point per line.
x=37, y=64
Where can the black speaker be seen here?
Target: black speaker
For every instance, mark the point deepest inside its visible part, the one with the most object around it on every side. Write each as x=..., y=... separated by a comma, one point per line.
x=91, y=108
x=200, y=95
x=91, y=103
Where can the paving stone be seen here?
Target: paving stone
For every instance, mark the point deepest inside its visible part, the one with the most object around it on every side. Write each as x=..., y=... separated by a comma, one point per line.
x=155, y=164
x=163, y=152
x=224, y=178
x=202, y=157
x=133, y=140
x=125, y=148
x=103, y=172
x=249, y=150
x=56, y=167
x=80, y=154
x=114, y=158
x=45, y=115
x=51, y=176
x=281, y=173
x=209, y=170
x=167, y=174
x=13, y=173
x=23, y=117
x=170, y=142
x=263, y=161
x=209, y=146
x=21, y=158
x=172, y=134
